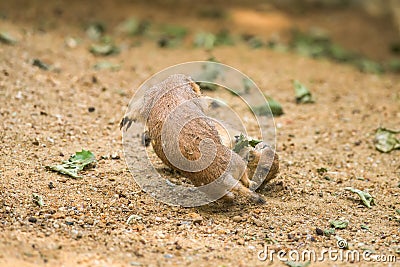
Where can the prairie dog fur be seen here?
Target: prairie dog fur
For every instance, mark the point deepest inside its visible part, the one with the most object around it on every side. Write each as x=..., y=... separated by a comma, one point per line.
x=176, y=100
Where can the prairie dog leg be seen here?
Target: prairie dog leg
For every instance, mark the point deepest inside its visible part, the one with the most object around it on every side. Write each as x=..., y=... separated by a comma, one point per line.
x=244, y=191
x=245, y=180
x=229, y=197
x=252, y=185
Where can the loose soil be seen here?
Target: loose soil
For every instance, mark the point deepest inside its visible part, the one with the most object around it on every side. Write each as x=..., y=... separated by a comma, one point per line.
x=45, y=118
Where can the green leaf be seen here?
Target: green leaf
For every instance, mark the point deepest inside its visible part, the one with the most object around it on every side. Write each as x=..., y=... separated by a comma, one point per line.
x=7, y=38
x=212, y=13
x=224, y=38
x=322, y=170
x=209, y=40
x=394, y=65
x=385, y=140
x=339, y=224
x=38, y=199
x=174, y=31
x=254, y=142
x=340, y=54
x=106, y=65
x=209, y=73
x=74, y=164
x=303, y=95
x=274, y=107
x=255, y=42
x=129, y=26
x=95, y=30
x=205, y=40
x=40, y=64
x=133, y=217
x=133, y=27
x=242, y=141
x=365, y=197
x=329, y=232
x=297, y=264
x=365, y=227
x=103, y=49
x=247, y=85
x=368, y=66
x=207, y=86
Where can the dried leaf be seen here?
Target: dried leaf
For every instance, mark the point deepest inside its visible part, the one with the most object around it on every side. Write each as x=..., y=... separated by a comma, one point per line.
x=303, y=95
x=106, y=65
x=7, y=38
x=369, y=66
x=38, y=199
x=365, y=227
x=133, y=217
x=174, y=31
x=385, y=140
x=297, y=264
x=322, y=170
x=274, y=107
x=212, y=13
x=133, y=27
x=207, y=86
x=40, y=64
x=365, y=197
x=105, y=49
x=95, y=30
x=205, y=40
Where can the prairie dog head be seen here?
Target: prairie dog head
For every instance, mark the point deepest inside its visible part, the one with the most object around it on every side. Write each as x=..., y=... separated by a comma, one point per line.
x=140, y=109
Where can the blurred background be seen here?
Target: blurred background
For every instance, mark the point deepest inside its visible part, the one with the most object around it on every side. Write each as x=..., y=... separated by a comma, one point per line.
x=364, y=33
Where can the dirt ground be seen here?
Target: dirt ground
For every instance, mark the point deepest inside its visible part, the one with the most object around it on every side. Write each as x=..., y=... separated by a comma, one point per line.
x=45, y=118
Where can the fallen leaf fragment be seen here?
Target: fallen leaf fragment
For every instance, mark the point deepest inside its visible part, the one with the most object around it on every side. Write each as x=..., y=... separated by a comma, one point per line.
x=365, y=197
x=385, y=140
x=74, y=164
x=38, y=199
x=303, y=95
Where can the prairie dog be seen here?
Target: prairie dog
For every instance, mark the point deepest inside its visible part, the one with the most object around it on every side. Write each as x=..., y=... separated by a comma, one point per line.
x=176, y=123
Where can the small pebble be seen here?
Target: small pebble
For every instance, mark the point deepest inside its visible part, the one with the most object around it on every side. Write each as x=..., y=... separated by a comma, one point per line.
x=115, y=156
x=196, y=218
x=168, y=256
x=51, y=185
x=240, y=241
x=91, y=109
x=237, y=218
x=32, y=220
x=319, y=231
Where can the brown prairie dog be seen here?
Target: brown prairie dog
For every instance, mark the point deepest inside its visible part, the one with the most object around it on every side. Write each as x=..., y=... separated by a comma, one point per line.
x=185, y=139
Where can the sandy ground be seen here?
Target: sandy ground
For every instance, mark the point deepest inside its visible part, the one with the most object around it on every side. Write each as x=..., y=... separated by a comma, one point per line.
x=45, y=118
